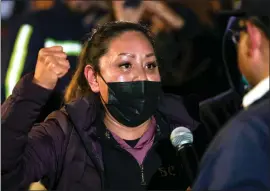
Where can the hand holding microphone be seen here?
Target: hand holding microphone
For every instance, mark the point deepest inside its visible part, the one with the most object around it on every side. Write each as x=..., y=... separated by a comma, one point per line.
x=52, y=64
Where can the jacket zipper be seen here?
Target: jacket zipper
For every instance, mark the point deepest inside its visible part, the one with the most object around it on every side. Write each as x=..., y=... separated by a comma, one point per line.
x=143, y=182
x=142, y=175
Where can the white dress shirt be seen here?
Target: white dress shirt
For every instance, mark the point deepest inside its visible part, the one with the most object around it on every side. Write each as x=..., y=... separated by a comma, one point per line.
x=256, y=93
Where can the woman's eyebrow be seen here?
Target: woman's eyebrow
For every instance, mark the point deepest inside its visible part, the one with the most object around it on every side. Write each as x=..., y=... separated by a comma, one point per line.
x=133, y=55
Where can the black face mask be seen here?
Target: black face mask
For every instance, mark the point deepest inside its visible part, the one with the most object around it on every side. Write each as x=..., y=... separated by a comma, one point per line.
x=133, y=103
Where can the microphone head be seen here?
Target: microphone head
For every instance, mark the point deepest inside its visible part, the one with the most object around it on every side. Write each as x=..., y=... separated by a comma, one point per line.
x=181, y=136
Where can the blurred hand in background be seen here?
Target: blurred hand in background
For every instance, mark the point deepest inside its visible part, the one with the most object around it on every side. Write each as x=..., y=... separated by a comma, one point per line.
x=157, y=13
x=128, y=13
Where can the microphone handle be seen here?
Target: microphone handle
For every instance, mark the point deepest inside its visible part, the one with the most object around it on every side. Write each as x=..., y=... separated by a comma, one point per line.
x=189, y=159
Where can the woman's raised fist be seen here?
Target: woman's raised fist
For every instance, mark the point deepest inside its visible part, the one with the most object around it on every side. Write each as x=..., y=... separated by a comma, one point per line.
x=52, y=64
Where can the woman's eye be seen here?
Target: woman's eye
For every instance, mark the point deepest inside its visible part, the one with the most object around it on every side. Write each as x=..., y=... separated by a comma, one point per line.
x=126, y=65
x=151, y=66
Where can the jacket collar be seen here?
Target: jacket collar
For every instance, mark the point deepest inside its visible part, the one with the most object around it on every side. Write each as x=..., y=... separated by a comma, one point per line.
x=83, y=112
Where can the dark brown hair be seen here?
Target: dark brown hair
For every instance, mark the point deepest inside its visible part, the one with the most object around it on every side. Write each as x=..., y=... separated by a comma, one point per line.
x=94, y=48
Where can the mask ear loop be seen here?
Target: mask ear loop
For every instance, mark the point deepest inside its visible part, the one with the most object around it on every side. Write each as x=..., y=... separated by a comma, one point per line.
x=107, y=86
x=109, y=89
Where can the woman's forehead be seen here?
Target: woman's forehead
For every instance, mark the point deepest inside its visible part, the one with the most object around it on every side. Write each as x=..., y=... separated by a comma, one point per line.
x=130, y=43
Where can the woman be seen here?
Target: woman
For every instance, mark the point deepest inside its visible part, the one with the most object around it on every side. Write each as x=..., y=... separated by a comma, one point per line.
x=120, y=138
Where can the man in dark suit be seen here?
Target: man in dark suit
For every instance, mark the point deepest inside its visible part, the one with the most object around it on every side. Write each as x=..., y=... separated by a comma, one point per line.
x=239, y=156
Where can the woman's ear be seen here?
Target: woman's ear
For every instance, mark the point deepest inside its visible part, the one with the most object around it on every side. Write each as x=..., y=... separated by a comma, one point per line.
x=90, y=76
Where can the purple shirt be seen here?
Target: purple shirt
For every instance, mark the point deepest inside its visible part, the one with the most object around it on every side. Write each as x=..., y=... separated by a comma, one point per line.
x=144, y=144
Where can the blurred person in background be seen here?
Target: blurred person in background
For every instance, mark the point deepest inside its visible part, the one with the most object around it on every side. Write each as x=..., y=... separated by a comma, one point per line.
x=191, y=55
x=192, y=64
x=238, y=158
x=216, y=111
x=65, y=24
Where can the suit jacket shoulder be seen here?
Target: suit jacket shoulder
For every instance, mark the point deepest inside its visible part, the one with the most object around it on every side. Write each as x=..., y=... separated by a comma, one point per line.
x=239, y=156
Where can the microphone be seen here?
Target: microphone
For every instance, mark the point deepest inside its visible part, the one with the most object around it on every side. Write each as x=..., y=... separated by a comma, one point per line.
x=182, y=139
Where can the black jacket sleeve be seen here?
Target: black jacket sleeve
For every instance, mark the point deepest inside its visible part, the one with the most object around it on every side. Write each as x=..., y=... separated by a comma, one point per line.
x=29, y=151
